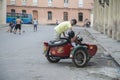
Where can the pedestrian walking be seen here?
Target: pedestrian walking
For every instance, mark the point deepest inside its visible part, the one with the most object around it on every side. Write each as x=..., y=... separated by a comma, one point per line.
x=18, y=25
x=35, y=23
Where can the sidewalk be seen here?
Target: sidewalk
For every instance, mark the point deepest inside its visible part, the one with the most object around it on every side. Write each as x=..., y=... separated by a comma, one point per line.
x=3, y=25
x=111, y=46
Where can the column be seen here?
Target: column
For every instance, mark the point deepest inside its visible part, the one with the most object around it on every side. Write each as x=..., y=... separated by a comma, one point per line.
x=103, y=18
x=0, y=11
x=91, y=17
x=96, y=19
x=112, y=7
x=106, y=12
x=110, y=19
x=114, y=27
x=95, y=15
x=98, y=16
x=3, y=12
x=118, y=20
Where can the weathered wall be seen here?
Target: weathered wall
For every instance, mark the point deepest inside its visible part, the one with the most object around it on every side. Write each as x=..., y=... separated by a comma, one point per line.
x=57, y=9
x=107, y=19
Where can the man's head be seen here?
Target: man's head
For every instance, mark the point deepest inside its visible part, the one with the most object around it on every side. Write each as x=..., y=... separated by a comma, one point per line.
x=73, y=22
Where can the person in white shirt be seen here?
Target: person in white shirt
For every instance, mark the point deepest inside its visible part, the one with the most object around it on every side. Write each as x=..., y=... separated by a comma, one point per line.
x=35, y=23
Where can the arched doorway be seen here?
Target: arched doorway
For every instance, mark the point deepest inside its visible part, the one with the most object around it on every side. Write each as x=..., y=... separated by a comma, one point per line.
x=35, y=14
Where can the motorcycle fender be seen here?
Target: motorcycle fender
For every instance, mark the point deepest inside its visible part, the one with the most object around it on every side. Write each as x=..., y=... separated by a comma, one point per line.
x=46, y=52
x=75, y=48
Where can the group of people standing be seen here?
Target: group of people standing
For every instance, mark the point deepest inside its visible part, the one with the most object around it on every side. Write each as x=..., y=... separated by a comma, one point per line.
x=13, y=27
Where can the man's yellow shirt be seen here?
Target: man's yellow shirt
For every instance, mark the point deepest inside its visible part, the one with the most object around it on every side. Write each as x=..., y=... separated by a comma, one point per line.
x=62, y=27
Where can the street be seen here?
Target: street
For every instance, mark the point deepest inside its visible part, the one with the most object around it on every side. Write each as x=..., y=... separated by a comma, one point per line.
x=21, y=58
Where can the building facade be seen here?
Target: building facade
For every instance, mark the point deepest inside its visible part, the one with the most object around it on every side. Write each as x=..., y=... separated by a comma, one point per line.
x=107, y=17
x=2, y=11
x=48, y=11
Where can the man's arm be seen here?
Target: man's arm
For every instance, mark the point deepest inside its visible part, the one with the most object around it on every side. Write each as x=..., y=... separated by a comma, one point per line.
x=64, y=34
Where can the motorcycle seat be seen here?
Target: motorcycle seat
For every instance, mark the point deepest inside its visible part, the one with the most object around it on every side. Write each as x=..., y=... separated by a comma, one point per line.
x=60, y=42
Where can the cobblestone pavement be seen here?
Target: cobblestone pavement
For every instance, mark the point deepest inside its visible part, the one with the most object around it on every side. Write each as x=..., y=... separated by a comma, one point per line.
x=21, y=58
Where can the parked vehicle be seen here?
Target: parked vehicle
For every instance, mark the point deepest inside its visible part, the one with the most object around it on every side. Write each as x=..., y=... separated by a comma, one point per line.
x=26, y=18
x=62, y=49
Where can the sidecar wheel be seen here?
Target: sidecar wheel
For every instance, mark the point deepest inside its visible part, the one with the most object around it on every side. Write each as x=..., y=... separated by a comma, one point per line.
x=88, y=59
x=52, y=59
x=79, y=58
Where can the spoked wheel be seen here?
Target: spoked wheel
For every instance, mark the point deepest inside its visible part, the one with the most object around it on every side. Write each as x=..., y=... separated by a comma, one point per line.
x=52, y=59
x=80, y=58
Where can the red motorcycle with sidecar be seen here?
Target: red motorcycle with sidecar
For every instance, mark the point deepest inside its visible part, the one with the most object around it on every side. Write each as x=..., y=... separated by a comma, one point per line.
x=62, y=49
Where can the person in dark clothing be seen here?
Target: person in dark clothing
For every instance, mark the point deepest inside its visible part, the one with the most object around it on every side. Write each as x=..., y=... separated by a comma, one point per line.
x=18, y=25
x=11, y=26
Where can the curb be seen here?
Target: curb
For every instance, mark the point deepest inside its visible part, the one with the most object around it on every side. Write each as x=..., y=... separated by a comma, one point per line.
x=107, y=52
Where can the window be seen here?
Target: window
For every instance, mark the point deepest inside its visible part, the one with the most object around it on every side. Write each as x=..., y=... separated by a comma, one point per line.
x=24, y=11
x=80, y=16
x=12, y=2
x=35, y=2
x=49, y=3
x=49, y=15
x=80, y=3
x=12, y=10
x=65, y=16
x=65, y=3
x=24, y=2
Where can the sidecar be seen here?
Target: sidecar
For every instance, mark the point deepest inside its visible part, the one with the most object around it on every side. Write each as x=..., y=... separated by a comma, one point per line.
x=62, y=49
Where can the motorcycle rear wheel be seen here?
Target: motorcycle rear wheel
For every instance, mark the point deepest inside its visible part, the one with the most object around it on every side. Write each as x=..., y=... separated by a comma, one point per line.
x=52, y=59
